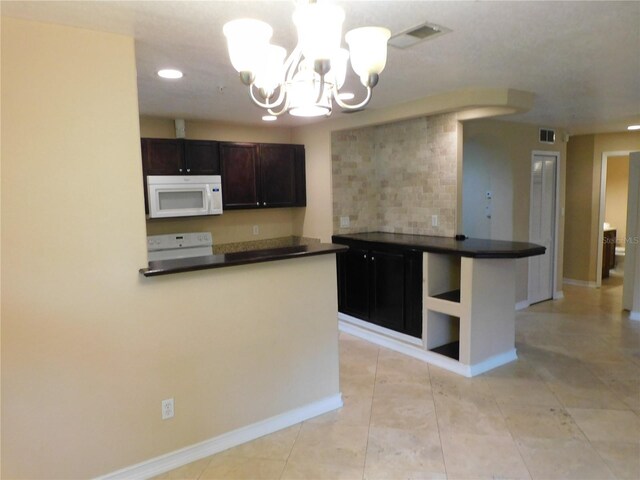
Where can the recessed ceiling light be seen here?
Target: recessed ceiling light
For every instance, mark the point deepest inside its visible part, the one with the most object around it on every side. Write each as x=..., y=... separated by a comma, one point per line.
x=633, y=127
x=269, y=118
x=346, y=96
x=170, y=73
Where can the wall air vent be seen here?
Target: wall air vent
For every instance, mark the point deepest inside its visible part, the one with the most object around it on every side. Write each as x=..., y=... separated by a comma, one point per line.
x=547, y=135
x=417, y=34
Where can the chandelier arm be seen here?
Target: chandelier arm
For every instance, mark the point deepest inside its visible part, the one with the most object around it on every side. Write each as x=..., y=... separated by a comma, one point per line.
x=266, y=105
x=292, y=63
x=285, y=108
x=351, y=107
x=321, y=89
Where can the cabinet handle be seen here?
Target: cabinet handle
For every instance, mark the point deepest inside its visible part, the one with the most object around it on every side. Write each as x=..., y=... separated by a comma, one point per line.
x=364, y=256
x=264, y=204
x=258, y=203
x=188, y=170
x=373, y=258
x=180, y=170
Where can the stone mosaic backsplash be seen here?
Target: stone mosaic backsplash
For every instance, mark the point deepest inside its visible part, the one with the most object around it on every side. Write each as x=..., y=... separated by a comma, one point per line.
x=394, y=177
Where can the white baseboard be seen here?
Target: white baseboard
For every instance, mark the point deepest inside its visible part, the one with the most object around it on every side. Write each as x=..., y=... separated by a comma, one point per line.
x=634, y=315
x=345, y=325
x=579, y=283
x=403, y=337
x=492, y=362
x=522, y=305
x=164, y=463
x=558, y=295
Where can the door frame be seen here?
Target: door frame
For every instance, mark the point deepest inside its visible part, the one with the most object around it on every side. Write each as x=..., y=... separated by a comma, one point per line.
x=601, y=213
x=555, y=293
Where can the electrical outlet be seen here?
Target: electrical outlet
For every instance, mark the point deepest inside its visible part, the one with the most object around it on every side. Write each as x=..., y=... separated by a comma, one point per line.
x=489, y=195
x=256, y=230
x=344, y=222
x=434, y=220
x=167, y=408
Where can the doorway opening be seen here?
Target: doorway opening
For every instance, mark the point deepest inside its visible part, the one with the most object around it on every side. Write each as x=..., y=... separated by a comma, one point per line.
x=612, y=225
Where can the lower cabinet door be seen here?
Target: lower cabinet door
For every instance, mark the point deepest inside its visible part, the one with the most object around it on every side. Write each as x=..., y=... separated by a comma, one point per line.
x=388, y=290
x=354, y=283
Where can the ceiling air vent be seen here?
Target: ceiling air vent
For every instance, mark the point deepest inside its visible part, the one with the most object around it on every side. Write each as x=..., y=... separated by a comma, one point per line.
x=417, y=34
x=547, y=135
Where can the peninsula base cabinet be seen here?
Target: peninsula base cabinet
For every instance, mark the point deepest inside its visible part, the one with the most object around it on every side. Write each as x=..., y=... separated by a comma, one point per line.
x=382, y=286
x=453, y=303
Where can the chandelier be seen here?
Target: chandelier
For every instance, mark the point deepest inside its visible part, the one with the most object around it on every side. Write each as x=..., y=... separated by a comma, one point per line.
x=307, y=82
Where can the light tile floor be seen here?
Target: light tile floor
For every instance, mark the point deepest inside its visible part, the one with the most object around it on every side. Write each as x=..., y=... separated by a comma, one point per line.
x=569, y=408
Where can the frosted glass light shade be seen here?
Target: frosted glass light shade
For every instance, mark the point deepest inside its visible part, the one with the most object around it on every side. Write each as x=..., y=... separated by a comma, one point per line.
x=303, y=93
x=247, y=41
x=319, y=29
x=368, y=48
x=270, y=71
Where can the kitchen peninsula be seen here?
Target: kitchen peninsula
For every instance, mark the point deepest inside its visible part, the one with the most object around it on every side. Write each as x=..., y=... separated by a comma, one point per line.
x=447, y=302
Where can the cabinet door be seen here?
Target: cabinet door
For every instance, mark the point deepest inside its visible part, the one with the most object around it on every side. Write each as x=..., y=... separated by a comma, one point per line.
x=201, y=157
x=277, y=175
x=387, y=290
x=239, y=164
x=300, y=179
x=162, y=156
x=353, y=283
x=413, y=293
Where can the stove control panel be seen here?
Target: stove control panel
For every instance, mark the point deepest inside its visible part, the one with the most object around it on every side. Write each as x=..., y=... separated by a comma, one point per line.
x=178, y=240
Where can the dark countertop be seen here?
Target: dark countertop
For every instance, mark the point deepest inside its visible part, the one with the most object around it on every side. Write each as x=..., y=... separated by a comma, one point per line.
x=471, y=247
x=165, y=267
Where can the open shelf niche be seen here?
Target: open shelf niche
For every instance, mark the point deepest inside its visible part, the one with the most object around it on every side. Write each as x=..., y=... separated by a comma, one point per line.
x=443, y=334
x=443, y=277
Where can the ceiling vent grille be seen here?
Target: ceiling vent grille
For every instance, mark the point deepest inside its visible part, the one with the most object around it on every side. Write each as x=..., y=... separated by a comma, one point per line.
x=547, y=135
x=417, y=34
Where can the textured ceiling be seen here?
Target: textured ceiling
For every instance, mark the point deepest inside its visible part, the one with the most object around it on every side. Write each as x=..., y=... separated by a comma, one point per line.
x=581, y=59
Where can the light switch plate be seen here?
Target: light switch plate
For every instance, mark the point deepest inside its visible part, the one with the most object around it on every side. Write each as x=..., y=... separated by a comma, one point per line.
x=344, y=222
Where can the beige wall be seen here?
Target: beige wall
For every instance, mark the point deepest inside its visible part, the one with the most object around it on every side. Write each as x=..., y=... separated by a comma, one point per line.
x=584, y=167
x=394, y=177
x=497, y=158
x=231, y=226
x=578, y=263
x=616, y=196
x=89, y=347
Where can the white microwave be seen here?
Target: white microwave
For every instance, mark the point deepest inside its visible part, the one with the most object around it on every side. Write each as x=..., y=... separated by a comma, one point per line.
x=184, y=195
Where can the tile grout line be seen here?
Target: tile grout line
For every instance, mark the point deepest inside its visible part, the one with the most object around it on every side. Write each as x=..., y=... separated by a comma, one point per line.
x=366, y=447
x=205, y=467
x=515, y=440
x=435, y=411
x=286, y=462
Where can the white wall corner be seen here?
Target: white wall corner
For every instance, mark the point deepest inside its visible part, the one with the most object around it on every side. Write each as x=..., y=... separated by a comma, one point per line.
x=558, y=295
x=522, y=305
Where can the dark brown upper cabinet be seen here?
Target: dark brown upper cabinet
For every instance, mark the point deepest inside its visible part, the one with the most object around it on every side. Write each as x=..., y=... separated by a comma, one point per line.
x=262, y=175
x=162, y=156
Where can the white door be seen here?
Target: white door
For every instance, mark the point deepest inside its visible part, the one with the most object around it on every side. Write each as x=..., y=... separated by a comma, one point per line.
x=542, y=223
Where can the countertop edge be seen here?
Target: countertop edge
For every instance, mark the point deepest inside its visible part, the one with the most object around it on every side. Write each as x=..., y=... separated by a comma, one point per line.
x=168, y=267
x=509, y=250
